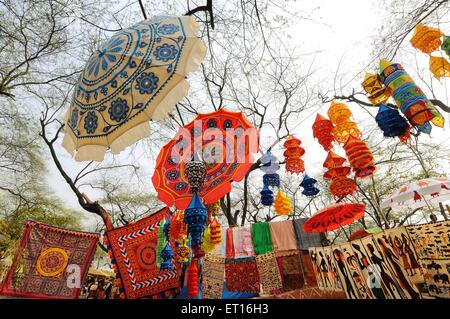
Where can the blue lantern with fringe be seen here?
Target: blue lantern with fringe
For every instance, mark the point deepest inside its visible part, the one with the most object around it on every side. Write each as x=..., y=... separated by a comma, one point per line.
x=195, y=217
x=266, y=196
x=390, y=121
x=309, y=188
x=270, y=167
x=167, y=256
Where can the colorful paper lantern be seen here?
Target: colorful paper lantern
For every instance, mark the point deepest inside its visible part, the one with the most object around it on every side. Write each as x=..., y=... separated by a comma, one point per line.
x=271, y=180
x=216, y=231
x=195, y=217
x=167, y=256
x=213, y=209
x=339, y=115
x=309, y=188
x=438, y=119
x=207, y=245
x=182, y=250
x=266, y=196
x=192, y=279
x=293, y=153
x=323, y=131
x=390, y=121
x=405, y=137
x=426, y=128
x=426, y=39
x=282, y=204
x=439, y=66
x=408, y=96
x=270, y=163
x=377, y=93
x=177, y=226
x=446, y=45
x=360, y=157
x=340, y=185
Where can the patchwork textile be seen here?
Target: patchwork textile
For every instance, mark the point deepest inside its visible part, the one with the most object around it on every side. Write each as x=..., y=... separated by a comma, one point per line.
x=134, y=250
x=242, y=242
x=269, y=272
x=241, y=275
x=306, y=240
x=213, y=272
x=50, y=262
x=283, y=238
x=262, y=241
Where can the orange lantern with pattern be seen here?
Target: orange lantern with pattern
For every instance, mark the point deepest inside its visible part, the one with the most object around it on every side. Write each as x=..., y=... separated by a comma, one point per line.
x=323, y=131
x=439, y=66
x=426, y=39
x=377, y=93
x=282, y=204
x=341, y=185
x=360, y=157
x=339, y=115
x=293, y=154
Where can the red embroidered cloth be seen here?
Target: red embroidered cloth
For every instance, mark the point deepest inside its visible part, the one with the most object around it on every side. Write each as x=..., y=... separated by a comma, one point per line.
x=242, y=275
x=50, y=262
x=134, y=253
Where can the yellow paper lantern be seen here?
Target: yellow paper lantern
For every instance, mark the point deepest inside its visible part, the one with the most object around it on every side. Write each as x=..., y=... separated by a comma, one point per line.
x=338, y=111
x=282, y=204
x=439, y=66
x=438, y=119
x=339, y=114
x=426, y=39
x=377, y=93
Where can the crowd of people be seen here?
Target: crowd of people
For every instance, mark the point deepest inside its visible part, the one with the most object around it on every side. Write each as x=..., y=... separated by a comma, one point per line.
x=100, y=288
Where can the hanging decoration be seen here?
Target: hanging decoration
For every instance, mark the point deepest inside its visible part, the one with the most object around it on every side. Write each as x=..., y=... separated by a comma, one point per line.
x=195, y=217
x=195, y=172
x=377, y=93
x=167, y=256
x=216, y=231
x=177, y=226
x=360, y=157
x=340, y=115
x=309, y=188
x=391, y=122
x=213, y=209
x=408, y=96
x=405, y=137
x=270, y=167
x=293, y=154
x=341, y=185
x=323, y=131
x=192, y=273
x=438, y=119
x=182, y=250
x=446, y=45
x=426, y=128
x=440, y=67
x=426, y=39
x=266, y=196
x=207, y=245
x=282, y=204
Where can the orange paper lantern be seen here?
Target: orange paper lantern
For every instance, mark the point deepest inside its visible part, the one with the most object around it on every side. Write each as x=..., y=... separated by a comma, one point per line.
x=360, y=157
x=293, y=154
x=339, y=115
x=216, y=232
x=340, y=186
x=323, y=131
x=377, y=93
x=440, y=67
x=193, y=279
x=426, y=39
x=282, y=204
x=177, y=227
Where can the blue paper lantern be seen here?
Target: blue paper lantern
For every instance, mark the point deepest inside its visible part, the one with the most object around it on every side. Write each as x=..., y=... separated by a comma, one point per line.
x=309, y=189
x=270, y=163
x=167, y=256
x=195, y=217
x=271, y=180
x=390, y=121
x=426, y=128
x=266, y=196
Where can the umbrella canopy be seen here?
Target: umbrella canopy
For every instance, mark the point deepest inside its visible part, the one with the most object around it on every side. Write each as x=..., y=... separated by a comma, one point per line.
x=225, y=140
x=333, y=217
x=137, y=75
x=419, y=194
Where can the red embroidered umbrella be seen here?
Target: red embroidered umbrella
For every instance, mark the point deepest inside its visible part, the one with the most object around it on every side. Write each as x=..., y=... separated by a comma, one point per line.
x=333, y=217
x=225, y=141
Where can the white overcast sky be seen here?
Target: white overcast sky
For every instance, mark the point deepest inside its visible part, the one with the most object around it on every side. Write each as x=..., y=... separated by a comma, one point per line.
x=342, y=32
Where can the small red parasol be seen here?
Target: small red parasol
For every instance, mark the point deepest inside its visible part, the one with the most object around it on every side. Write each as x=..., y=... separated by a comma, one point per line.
x=333, y=217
